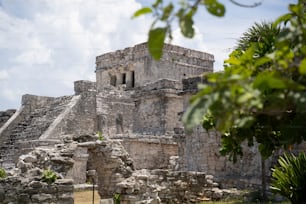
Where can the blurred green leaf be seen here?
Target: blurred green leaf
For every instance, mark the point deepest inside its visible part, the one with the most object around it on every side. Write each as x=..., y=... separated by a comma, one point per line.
x=157, y=3
x=233, y=60
x=214, y=7
x=266, y=81
x=142, y=11
x=186, y=25
x=156, y=42
x=166, y=12
x=302, y=67
x=282, y=19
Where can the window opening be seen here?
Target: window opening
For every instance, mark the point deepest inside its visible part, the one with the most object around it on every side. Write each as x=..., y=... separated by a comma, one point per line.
x=123, y=78
x=133, y=79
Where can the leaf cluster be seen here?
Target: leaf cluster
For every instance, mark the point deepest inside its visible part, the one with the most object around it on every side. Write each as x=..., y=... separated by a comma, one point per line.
x=2, y=173
x=49, y=176
x=261, y=95
x=166, y=12
x=289, y=178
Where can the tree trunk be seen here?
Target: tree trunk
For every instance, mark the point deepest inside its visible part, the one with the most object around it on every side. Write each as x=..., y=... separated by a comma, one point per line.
x=263, y=179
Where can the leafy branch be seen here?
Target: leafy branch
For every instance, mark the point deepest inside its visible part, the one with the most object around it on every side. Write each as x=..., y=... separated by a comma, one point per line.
x=183, y=12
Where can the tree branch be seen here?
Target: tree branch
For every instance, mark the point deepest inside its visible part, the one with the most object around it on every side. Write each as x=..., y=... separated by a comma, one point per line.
x=245, y=5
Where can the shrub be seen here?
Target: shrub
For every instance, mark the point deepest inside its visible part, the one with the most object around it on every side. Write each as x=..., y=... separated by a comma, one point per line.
x=289, y=178
x=116, y=198
x=2, y=173
x=49, y=176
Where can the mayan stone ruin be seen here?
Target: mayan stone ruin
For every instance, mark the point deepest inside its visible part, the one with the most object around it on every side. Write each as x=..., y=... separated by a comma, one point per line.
x=141, y=151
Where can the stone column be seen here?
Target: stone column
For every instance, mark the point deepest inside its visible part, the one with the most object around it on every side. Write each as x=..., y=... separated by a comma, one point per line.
x=78, y=171
x=129, y=79
x=119, y=79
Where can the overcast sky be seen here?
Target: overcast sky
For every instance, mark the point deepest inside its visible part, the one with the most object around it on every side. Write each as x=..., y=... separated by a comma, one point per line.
x=46, y=45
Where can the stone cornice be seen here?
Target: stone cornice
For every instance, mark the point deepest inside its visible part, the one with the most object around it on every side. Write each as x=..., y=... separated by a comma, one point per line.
x=138, y=53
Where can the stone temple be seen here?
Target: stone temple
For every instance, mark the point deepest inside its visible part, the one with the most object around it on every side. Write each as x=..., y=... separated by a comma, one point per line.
x=136, y=104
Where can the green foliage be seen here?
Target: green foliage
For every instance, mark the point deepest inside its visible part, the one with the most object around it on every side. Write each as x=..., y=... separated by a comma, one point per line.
x=2, y=173
x=142, y=11
x=100, y=136
x=261, y=95
x=262, y=35
x=289, y=178
x=166, y=12
x=116, y=198
x=214, y=7
x=48, y=176
x=156, y=40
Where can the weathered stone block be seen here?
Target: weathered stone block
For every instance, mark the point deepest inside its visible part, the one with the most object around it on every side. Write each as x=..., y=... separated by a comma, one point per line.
x=23, y=198
x=42, y=197
x=2, y=195
x=107, y=201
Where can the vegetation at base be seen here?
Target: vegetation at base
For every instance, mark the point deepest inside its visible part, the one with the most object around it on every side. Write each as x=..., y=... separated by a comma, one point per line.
x=100, y=136
x=289, y=178
x=49, y=176
x=117, y=198
x=241, y=202
x=2, y=173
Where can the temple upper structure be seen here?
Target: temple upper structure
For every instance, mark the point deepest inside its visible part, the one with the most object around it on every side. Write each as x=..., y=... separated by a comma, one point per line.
x=134, y=67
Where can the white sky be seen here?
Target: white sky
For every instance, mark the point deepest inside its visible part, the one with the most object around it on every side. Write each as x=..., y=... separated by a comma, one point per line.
x=46, y=45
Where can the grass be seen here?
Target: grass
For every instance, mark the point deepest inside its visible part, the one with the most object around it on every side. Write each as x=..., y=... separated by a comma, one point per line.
x=85, y=197
x=241, y=202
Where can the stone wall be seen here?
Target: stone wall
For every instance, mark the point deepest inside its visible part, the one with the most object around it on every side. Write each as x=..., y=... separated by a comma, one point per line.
x=199, y=151
x=152, y=109
x=143, y=119
x=115, y=112
x=149, y=151
x=157, y=106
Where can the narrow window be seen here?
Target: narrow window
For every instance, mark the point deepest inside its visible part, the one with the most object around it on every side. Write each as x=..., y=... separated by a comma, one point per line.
x=123, y=78
x=133, y=79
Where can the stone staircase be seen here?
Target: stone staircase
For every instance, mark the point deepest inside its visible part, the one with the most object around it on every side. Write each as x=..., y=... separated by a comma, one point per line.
x=33, y=125
x=5, y=116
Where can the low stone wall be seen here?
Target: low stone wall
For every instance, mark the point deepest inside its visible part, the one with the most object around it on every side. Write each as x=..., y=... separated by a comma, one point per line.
x=166, y=186
x=27, y=191
x=116, y=175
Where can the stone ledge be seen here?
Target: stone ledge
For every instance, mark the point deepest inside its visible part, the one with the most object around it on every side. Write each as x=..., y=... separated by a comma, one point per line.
x=84, y=187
